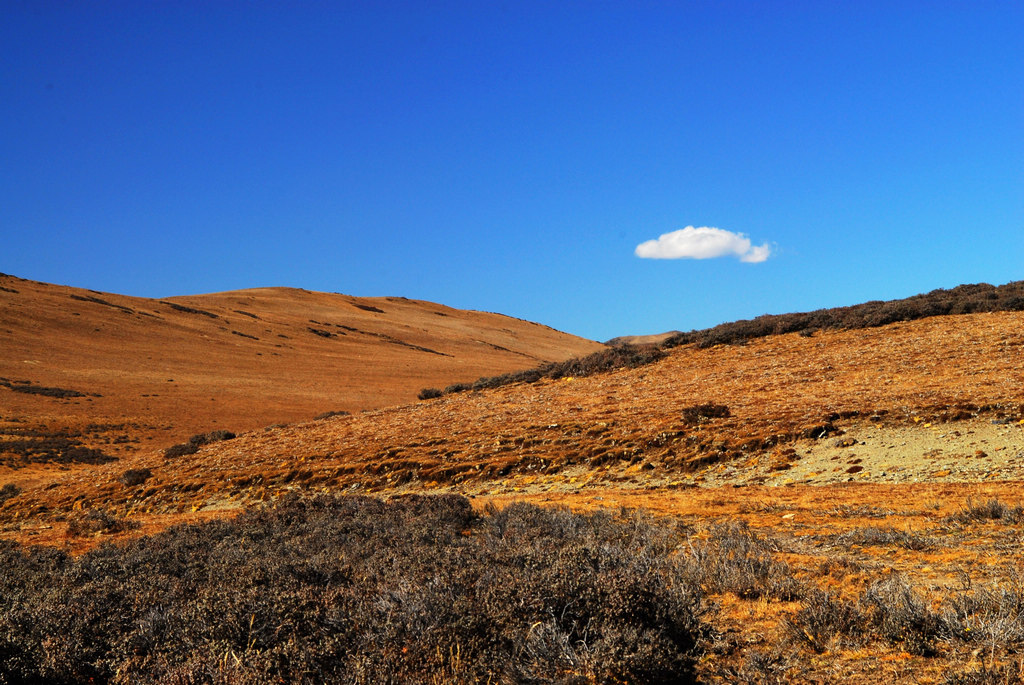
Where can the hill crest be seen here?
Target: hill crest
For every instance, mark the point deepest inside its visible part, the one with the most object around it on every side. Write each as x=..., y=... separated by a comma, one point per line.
x=126, y=373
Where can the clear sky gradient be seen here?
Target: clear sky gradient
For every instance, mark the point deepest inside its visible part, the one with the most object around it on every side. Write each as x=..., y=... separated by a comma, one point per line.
x=512, y=156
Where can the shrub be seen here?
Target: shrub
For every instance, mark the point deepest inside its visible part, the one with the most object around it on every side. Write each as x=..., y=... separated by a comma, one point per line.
x=884, y=536
x=898, y=614
x=736, y=560
x=355, y=590
x=8, y=491
x=429, y=393
x=135, y=477
x=180, y=450
x=822, y=619
x=704, y=412
x=960, y=300
x=610, y=359
x=95, y=521
x=197, y=441
x=992, y=510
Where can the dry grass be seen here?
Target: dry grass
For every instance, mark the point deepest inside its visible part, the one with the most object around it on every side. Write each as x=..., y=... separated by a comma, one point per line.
x=851, y=499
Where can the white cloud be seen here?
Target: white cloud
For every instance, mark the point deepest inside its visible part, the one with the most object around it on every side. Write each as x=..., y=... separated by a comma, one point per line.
x=703, y=242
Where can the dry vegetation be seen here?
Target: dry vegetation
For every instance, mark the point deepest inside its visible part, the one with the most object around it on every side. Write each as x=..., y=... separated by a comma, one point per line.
x=836, y=507
x=159, y=371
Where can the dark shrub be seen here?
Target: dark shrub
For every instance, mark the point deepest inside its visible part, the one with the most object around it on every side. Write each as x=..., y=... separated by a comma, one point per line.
x=135, y=477
x=610, y=359
x=963, y=299
x=823, y=619
x=197, y=441
x=330, y=414
x=704, y=412
x=356, y=590
x=429, y=393
x=8, y=491
x=736, y=560
x=189, y=310
x=98, y=521
x=900, y=615
x=213, y=436
x=38, y=446
x=59, y=393
x=180, y=450
x=992, y=510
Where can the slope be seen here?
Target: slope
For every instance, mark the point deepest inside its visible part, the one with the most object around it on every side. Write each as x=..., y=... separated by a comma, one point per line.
x=86, y=376
x=747, y=415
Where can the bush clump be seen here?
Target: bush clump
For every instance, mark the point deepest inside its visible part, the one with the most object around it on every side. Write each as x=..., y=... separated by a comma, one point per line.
x=133, y=477
x=95, y=521
x=429, y=393
x=355, y=590
x=8, y=491
x=992, y=510
x=885, y=536
x=331, y=414
x=700, y=413
x=964, y=299
x=197, y=441
x=610, y=359
x=737, y=560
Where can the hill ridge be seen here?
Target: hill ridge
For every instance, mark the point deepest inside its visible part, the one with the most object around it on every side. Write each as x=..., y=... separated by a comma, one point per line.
x=115, y=369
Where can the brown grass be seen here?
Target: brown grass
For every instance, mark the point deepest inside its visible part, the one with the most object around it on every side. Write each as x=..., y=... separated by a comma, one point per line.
x=877, y=467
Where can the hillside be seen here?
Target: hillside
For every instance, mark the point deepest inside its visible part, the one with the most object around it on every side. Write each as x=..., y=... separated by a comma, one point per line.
x=848, y=500
x=86, y=376
x=760, y=413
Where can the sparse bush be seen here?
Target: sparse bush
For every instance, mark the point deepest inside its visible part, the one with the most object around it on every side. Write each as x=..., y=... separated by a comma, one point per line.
x=429, y=393
x=884, y=536
x=356, y=590
x=180, y=450
x=609, y=359
x=992, y=510
x=823, y=619
x=8, y=491
x=700, y=413
x=994, y=674
x=766, y=669
x=736, y=560
x=988, y=615
x=898, y=614
x=963, y=299
x=133, y=477
x=95, y=521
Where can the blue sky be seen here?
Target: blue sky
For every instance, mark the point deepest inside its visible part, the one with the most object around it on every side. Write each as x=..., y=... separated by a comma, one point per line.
x=512, y=156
